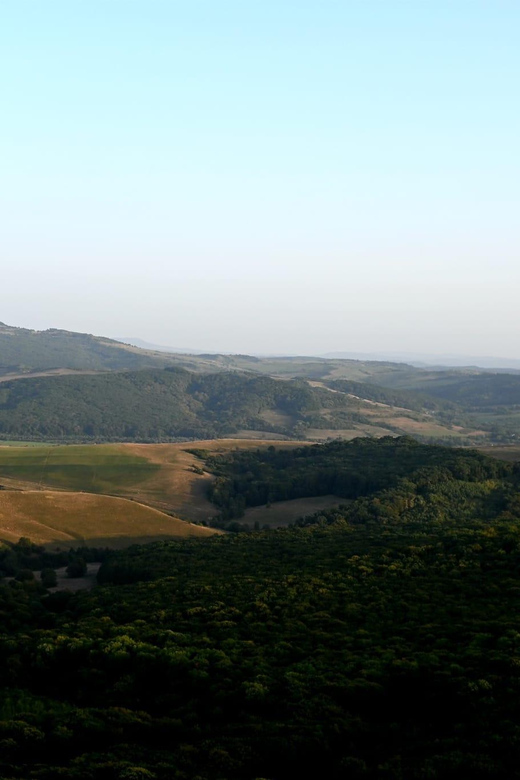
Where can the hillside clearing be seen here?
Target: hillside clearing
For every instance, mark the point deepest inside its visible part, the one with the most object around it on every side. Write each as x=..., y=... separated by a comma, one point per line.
x=282, y=513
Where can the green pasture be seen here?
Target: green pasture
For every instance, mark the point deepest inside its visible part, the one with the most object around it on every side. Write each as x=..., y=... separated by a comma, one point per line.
x=102, y=468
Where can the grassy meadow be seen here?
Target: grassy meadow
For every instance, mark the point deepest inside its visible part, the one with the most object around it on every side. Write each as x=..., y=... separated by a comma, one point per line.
x=66, y=493
x=91, y=468
x=56, y=518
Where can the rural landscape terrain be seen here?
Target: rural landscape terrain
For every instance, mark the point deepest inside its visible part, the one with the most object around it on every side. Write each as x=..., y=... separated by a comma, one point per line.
x=93, y=428
x=259, y=390
x=228, y=567
x=67, y=387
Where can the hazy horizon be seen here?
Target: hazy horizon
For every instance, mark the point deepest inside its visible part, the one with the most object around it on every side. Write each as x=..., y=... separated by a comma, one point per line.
x=295, y=178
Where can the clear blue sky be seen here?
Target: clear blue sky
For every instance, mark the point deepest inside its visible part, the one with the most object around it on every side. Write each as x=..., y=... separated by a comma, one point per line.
x=261, y=175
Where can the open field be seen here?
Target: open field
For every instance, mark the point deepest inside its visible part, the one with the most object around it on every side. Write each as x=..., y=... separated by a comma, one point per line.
x=282, y=513
x=64, y=582
x=261, y=436
x=93, y=468
x=70, y=494
x=162, y=476
x=65, y=519
x=421, y=426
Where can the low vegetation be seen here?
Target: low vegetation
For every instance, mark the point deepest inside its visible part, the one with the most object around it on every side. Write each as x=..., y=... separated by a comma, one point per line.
x=96, y=469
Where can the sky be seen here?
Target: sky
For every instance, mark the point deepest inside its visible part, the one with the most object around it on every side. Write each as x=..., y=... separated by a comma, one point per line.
x=267, y=176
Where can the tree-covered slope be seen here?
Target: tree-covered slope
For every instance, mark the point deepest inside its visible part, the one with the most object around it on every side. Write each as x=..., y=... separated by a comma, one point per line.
x=352, y=469
x=381, y=641
x=23, y=350
x=172, y=403
x=479, y=392
x=151, y=405
x=471, y=390
x=438, y=405
x=404, y=399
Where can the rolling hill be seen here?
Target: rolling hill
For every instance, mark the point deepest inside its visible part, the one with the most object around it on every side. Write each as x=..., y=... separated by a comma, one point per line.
x=166, y=477
x=58, y=385
x=64, y=519
x=174, y=404
x=32, y=352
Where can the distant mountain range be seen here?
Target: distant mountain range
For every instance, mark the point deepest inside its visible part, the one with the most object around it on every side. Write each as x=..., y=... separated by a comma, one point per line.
x=420, y=359
x=417, y=359
x=136, y=342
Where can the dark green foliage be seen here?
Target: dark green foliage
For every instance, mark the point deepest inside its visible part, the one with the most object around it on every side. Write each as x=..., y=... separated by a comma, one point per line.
x=480, y=392
x=77, y=568
x=470, y=390
x=24, y=575
x=405, y=399
x=346, y=469
x=22, y=350
x=155, y=405
x=34, y=557
x=49, y=578
x=381, y=641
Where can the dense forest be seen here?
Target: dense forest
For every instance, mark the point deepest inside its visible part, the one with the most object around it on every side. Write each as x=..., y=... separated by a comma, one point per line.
x=472, y=391
x=379, y=640
x=349, y=470
x=163, y=404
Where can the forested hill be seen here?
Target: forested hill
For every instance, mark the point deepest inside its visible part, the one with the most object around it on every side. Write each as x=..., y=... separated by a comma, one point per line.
x=164, y=404
x=476, y=392
x=23, y=350
x=454, y=406
x=361, y=467
x=173, y=404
